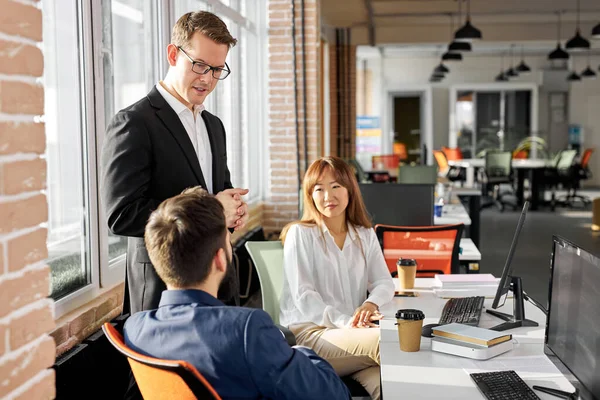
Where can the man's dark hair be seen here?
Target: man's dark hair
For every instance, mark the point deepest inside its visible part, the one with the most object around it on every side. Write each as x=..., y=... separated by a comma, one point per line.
x=183, y=235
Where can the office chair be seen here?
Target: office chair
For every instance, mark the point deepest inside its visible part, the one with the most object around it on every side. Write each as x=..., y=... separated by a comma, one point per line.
x=497, y=171
x=453, y=174
x=268, y=260
x=561, y=173
x=575, y=174
x=388, y=162
x=417, y=174
x=453, y=154
x=435, y=248
x=162, y=379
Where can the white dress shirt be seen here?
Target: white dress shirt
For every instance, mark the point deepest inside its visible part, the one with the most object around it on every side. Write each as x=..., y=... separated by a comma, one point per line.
x=325, y=285
x=196, y=129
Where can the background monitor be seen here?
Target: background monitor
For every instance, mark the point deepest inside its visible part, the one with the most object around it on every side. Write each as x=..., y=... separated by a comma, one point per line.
x=510, y=282
x=573, y=323
x=399, y=204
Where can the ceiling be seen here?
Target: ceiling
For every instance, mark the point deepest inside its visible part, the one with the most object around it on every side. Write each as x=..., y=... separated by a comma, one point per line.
x=410, y=22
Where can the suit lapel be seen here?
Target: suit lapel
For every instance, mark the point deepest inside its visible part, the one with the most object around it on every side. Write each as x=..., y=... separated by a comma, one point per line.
x=212, y=132
x=176, y=128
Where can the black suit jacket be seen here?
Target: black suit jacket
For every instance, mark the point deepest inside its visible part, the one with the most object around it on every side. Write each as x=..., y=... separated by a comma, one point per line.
x=148, y=157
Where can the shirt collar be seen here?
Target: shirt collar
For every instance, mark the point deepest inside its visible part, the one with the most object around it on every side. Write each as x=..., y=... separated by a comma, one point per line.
x=351, y=230
x=188, y=296
x=175, y=104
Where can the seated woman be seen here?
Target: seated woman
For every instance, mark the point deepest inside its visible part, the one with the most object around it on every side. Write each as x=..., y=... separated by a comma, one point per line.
x=332, y=258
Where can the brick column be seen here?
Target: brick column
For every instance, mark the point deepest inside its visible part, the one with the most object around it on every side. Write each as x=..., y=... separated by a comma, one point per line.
x=286, y=106
x=26, y=313
x=342, y=100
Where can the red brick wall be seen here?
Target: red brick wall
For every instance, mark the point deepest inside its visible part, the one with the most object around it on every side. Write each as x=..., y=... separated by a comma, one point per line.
x=282, y=203
x=346, y=107
x=26, y=313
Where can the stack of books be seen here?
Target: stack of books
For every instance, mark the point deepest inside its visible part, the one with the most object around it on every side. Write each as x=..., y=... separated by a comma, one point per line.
x=470, y=341
x=465, y=285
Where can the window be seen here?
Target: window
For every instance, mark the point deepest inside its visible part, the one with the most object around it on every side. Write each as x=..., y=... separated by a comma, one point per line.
x=69, y=245
x=129, y=60
x=80, y=96
x=237, y=100
x=100, y=57
x=494, y=117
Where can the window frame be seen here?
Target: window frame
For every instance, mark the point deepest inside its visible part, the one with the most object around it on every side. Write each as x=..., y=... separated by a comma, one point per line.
x=104, y=274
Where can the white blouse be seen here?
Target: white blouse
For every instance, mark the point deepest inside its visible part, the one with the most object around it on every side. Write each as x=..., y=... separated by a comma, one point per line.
x=325, y=285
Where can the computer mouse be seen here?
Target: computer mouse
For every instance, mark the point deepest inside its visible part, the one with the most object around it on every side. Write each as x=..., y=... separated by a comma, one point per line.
x=427, y=330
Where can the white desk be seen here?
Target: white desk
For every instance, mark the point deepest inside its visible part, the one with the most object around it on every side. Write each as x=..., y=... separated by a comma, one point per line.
x=431, y=375
x=470, y=164
x=470, y=252
x=453, y=214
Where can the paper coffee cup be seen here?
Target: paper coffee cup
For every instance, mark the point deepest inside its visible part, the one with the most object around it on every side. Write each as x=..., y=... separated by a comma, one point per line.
x=410, y=324
x=407, y=271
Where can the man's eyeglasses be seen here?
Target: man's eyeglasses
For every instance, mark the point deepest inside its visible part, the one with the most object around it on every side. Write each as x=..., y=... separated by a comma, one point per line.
x=203, y=68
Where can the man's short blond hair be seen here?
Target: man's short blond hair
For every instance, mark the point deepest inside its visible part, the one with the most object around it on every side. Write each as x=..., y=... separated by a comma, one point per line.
x=204, y=22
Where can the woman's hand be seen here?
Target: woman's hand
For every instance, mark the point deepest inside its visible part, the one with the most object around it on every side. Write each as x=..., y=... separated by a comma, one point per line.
x=365, y=315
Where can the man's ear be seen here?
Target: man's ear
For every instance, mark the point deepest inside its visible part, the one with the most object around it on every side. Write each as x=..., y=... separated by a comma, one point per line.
x=221, y=260
x=172, y=51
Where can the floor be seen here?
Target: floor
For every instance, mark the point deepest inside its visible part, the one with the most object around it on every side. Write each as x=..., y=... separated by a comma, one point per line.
x=533, y=254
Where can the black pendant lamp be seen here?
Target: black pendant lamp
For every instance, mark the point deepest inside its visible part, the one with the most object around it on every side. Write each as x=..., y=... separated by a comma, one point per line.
x=558, y=53
x=523, y=68
x=578, y=42
x=596, y=32
x=451, y=57
x=501, y=77
x=511, y=72
x=441, y=69
x=588, y=73
x=459, y=46
x=456, y=46
x=573, y=77
x=468, y=32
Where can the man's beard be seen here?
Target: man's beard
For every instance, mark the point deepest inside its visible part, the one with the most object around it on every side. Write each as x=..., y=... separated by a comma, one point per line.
x=228, y=289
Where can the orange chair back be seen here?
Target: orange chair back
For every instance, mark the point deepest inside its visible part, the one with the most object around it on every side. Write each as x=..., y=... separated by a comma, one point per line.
x=162, y=379
x=435, y=248
x=400, y=150
x=389, y=162
x=520, y=155
x=441, y=160
x=453, y=154
x=585, y=159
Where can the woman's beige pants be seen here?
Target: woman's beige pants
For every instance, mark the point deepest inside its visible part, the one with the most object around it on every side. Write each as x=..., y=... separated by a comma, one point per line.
x=351, y=351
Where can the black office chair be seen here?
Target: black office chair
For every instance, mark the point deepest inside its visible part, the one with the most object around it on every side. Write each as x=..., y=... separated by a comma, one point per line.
x=576, y=173
x=498, y=171
x=560, y=174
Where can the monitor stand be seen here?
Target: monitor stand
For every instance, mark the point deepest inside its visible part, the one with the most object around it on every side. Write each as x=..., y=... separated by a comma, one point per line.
x=517, y=319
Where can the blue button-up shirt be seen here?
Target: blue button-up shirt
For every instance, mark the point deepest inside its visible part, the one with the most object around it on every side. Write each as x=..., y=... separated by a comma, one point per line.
x=238, y=350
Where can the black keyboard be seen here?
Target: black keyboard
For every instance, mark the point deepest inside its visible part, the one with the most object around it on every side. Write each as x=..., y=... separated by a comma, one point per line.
x=463, y=310
x=503, y=385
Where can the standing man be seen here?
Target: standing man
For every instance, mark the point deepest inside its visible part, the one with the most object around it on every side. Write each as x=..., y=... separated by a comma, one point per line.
x=167, y=142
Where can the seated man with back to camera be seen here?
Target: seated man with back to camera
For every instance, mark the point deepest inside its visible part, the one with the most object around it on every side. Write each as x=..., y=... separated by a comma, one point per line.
x=238, y=350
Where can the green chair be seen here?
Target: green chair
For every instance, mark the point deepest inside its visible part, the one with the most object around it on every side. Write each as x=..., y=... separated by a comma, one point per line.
x=268, y=260
x=418, y=174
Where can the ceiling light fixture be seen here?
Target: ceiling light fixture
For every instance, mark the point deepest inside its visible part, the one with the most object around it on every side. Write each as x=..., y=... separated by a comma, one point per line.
x=558, y=53
x=578, y=42
x=468, y=32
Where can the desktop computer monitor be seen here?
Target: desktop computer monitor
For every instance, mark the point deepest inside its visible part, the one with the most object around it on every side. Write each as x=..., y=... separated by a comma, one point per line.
x=399, y=204
x=510, y=282
x=573, y=323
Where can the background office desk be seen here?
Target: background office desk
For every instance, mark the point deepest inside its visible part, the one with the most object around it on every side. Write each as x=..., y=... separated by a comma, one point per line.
x=430, y=375
x=453, y=214
x=533, y=168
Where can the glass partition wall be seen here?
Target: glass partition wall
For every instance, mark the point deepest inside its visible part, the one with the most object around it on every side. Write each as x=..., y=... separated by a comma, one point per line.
x=491, y=118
